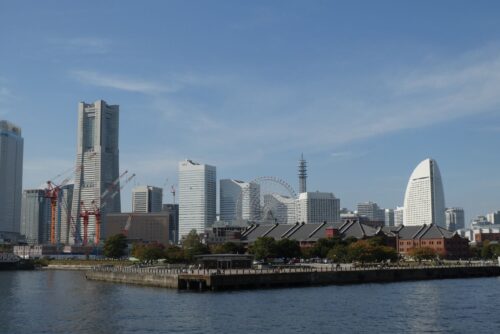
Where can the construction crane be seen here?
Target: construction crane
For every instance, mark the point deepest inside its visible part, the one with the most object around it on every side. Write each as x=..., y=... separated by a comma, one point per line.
x=127, y=225
x=52, y=193
x=172, y=191
x=95, y=210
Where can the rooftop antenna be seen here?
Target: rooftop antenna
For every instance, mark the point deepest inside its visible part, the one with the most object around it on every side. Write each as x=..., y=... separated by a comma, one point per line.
x=302, y=174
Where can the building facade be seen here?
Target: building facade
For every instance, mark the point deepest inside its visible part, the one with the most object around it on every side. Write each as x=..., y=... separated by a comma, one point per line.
x=139, y=227
x=318, y=207
x=239, y=201
x=97, y=163
x=11, y=177
x=446, y=244
x=372, y=211
x=147, y=199
x=35, y=216
x=279, y=209
x=455, y=219
x=197, y=197
x=494, y=217
x=66, y=227
x=424, y=197
x=399, y=215
x=173, y=211
x=389, y=217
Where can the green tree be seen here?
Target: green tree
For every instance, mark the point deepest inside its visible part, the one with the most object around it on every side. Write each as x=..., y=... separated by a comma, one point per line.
x=148, y=252
x=115, y=246
x=370, y=251
x=288, y=248
x=338, y=253
x=495, y=250
x=324, y=245
x=422, y=253
x=228, y=248
x=193, y=246
x=361, y=251
x=174, y=254
x=263, y=248
x=488, y=250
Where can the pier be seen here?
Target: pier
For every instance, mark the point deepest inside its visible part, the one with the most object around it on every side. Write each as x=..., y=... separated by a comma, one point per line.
x=216, y=280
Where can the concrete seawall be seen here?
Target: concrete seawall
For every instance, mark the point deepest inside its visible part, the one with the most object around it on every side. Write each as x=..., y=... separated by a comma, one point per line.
x=140, y=278
x=254, y=279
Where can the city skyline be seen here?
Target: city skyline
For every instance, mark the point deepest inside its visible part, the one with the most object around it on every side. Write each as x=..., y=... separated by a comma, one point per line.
x=363, y=100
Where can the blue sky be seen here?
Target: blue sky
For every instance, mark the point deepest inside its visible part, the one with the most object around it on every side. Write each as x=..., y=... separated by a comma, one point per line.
x=365, y=89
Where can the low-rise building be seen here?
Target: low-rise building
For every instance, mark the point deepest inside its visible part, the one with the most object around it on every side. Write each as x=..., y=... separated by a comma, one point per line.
x=445, y=243
x=477, y=234
x=141, y=227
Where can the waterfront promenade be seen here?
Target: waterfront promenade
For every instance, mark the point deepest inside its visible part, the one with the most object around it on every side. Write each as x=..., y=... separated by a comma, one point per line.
x=213, y=279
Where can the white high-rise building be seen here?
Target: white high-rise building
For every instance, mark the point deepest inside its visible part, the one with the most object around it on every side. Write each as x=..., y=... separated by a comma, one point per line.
x=239, y=201
x=399, y=215
x=389, y=217
x=279, y=209
x=318, y=207
x=424, y=197
x=197, y=197
x=147, y=199
x=35, y=216
x=455, y=219
x=11, y=177
x=493, y=217
x=97, y=163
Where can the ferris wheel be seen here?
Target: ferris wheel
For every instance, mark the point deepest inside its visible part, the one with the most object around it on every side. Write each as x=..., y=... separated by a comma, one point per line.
x=267, y=199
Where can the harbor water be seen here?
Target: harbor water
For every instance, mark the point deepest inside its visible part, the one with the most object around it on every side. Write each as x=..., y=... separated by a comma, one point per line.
x=51, y=301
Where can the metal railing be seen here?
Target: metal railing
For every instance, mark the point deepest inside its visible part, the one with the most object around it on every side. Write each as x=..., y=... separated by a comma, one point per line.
x=159, y=271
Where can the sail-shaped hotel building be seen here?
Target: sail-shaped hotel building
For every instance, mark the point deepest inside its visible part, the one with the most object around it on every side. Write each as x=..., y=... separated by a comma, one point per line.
x=424, y=197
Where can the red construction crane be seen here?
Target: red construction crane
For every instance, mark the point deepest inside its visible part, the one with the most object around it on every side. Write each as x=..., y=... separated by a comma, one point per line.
x=95, y=211
x=52, y=193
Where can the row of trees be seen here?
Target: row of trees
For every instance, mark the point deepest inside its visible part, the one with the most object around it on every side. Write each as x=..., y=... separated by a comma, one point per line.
x=486, y=251
x=116, y=246
x=335, y=249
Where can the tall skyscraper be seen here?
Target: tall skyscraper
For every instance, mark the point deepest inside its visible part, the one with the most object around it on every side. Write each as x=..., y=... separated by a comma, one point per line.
x=97, y=162
x=372, y=211
x=35, y=216
x=239, y=201
x=399, y=215
x=11, y=177
x=147, y=199
x=389, y=217
x=455, y=219
x=318, y=207
x=424, y=197
x=302, y=175
x=197, y=197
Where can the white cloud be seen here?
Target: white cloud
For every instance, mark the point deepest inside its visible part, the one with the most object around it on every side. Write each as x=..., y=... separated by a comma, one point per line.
x=244, y=114
x=122, y=83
